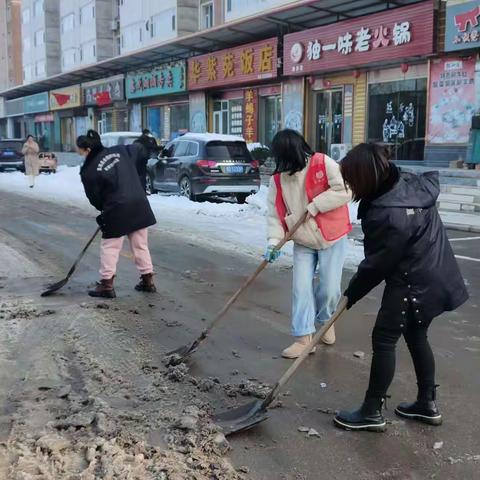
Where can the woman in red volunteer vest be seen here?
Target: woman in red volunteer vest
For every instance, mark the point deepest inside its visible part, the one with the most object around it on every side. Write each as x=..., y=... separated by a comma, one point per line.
x=304, y=180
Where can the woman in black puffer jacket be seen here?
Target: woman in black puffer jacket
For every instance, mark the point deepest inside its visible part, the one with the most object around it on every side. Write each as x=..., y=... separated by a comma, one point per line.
x=113, y=187
x=406, y=245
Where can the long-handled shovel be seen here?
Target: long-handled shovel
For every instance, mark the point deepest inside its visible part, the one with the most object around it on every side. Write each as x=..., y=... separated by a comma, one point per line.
x=57, y=286
x=250, y=414
x=180, y=354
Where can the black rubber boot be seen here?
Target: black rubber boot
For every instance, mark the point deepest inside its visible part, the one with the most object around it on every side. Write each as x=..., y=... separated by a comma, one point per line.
x=424, y=410
x=368, y=417
x=104, y=289
x=146, y=284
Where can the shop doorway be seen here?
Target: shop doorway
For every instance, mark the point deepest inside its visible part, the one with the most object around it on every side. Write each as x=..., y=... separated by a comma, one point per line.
x=220, y=117
x=270, y=118
x=328, y=119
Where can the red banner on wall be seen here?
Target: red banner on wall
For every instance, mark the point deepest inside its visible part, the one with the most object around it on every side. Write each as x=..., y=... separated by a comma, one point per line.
x=250, y=107
x=245, y=64
x=451, y=100
x=397, y=33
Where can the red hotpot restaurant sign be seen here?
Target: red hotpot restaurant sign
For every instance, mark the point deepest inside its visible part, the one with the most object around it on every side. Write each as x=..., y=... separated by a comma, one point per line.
x=248, y=63
x=399, y=33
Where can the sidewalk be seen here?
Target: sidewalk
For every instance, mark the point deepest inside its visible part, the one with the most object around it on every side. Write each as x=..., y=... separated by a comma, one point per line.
x=465, y=222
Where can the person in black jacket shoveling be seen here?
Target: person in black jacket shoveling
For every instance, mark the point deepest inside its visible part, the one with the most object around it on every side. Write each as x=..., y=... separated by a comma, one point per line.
x=406, y=245
x=113, y=186
x=148, y=148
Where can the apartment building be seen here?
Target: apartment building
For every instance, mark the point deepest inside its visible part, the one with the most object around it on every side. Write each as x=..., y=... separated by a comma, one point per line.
x=87, y=29
x=10, y=44
x=146, y=22
x=40, y=39
x=236, y=9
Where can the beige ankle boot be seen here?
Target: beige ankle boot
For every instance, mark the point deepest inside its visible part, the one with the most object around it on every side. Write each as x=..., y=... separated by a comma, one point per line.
x=296, y=349
x=329, y=337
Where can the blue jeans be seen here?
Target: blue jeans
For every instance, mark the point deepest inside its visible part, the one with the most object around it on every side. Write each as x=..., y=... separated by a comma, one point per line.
x=316, y=301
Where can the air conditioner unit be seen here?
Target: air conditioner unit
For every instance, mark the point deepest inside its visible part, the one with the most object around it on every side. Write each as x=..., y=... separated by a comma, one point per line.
x=115, y=25
x=339, y=150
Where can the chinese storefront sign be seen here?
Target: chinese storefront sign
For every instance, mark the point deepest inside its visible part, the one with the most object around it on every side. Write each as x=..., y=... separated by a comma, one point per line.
x=384, y=36
x=159, y=81
x=249, y=63
x=68, y=97
x=104, y=92
x=462, y=29
x=452, y=100
x=250, y=115
x=36, y=103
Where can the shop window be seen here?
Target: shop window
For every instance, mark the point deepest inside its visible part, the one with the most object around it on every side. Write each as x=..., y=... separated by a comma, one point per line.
x=397, y=116
x=179, y=120
x=154, y=114
x=220, y=116
x=235, y=108
x=270, y=118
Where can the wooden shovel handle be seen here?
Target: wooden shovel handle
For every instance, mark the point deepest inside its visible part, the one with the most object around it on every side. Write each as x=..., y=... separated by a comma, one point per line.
x=254, y=275
x=342, y=305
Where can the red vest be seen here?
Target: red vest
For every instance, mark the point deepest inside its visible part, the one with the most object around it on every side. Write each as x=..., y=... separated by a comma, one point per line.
x=333, y=224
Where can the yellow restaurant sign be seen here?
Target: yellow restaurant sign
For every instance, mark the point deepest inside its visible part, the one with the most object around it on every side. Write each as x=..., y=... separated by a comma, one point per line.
x=68, y=97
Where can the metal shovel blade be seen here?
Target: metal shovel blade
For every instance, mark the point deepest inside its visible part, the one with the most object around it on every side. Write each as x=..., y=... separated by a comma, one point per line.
x=179, y=355
x=54, y=287
x=241, y=418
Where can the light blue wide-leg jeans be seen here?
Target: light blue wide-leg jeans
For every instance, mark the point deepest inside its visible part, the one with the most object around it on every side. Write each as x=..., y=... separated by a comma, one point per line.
x=316, y=303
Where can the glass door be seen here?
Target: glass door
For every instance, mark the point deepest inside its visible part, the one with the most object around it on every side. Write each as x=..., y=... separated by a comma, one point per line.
x=220, y=116
x=328, y=119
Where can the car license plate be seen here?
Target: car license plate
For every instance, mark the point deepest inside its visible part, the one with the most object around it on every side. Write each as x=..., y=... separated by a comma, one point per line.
x=234, y=169
x=8, y=154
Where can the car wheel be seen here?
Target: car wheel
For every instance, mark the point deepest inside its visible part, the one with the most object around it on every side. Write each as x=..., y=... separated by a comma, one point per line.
x=241, y=197
x=186, y=188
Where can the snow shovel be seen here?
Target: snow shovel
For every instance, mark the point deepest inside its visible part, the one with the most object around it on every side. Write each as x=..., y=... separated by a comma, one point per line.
x=57, y=286
x=180, y=354
x=248, y=415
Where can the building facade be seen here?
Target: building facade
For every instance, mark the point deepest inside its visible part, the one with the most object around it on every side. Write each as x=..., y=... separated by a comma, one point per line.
x=88, y=31
x=10, y=44
x=40, y=39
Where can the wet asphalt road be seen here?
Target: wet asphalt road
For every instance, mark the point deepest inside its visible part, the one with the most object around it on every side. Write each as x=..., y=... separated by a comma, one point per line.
x=257, y=329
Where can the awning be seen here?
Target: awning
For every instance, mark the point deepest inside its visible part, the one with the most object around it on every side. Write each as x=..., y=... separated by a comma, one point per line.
x=299, y=15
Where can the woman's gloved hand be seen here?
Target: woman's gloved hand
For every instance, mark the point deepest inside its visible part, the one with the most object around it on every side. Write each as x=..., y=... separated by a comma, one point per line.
x=272, y=254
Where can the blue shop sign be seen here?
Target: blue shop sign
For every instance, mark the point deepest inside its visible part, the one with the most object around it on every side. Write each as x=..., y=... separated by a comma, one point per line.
x=462, y=29
x=37, y=103
x=169, y=78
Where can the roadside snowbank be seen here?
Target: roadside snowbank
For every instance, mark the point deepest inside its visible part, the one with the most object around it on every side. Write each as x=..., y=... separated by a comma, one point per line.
x=223, y=225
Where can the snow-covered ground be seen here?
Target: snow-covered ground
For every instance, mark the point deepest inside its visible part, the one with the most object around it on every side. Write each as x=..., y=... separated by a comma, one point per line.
x=240, y=229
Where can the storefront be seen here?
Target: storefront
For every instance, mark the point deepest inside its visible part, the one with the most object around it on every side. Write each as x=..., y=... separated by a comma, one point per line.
x=106, y=101
x=164, y=103
x=39, y=123
x=70, y=120
x=346, y=102
x=15, y=126
x=454, y=95
x=240, y=96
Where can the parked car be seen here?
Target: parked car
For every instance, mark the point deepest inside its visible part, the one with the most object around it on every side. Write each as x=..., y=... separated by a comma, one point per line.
x=11, y=156
x=119, y=138
x=48, y=162
x=205, y=165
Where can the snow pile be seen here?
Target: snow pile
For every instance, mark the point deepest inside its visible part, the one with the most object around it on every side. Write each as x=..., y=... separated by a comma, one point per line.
x=215, y=224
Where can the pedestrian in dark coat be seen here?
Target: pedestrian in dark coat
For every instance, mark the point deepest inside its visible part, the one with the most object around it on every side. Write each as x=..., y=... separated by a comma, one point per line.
x=113, y=187
x=407, y=247
x=149, y=148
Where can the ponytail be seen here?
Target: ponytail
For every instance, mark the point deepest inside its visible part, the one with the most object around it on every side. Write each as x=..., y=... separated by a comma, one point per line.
x=91, y=140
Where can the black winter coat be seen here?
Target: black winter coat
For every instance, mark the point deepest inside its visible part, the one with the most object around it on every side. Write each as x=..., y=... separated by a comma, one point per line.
x=112, y=186
x=406, y=245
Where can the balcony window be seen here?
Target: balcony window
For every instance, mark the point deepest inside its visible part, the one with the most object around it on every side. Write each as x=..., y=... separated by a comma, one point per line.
x=206, y=15
x=68, y=23
x=25, y=16
x=39, y=38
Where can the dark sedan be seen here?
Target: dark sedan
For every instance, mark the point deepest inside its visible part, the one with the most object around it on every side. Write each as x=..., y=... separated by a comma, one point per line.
x=205, y=165
x=11, y=156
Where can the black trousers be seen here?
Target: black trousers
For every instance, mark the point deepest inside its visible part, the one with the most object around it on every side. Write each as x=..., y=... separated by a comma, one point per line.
x=384, y=341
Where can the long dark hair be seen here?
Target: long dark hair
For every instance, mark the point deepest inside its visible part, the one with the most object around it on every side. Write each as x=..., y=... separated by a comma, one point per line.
x=290, y=151
x=91, y=140
x=365, y=168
